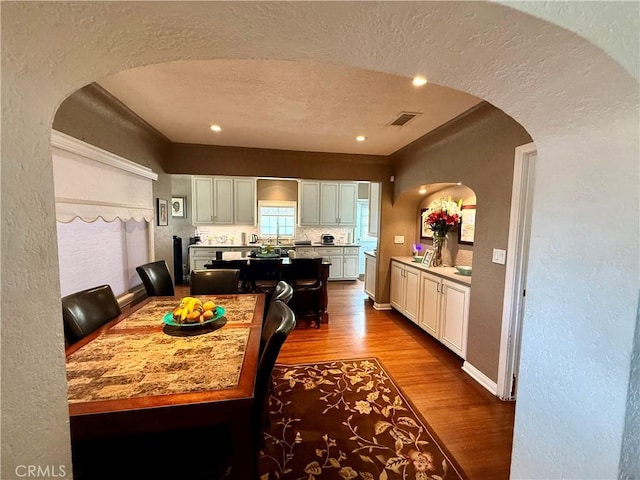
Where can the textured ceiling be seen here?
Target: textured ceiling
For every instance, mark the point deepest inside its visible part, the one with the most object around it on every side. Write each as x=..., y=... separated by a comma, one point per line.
x=284, y=104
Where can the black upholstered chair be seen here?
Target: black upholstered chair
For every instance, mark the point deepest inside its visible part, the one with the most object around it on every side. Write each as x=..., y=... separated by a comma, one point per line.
x=156, y=279
x=85, y=311
x=283, y=291
x=284, y=323
x=212, y=282
x=306, y=278
x=264, y=275
x=242, y=265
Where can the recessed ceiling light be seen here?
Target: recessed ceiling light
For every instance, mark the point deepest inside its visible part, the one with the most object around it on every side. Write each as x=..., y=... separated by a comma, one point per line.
x=422, y=191
x=361, y=138
x=216, y=128
x=419, y=81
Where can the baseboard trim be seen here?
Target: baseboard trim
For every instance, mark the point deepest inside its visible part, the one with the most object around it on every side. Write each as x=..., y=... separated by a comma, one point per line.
x=480, y=377
x=381, y=306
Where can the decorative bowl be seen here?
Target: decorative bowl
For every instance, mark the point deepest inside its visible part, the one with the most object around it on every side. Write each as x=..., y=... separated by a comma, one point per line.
x=464, y=270
x=417, y=259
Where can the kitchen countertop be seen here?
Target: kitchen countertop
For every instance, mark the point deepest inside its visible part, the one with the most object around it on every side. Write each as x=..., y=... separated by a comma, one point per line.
x=446, y=272
x=287, y=246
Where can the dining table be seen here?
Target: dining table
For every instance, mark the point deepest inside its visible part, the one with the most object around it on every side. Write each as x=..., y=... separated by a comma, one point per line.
x=142, y=374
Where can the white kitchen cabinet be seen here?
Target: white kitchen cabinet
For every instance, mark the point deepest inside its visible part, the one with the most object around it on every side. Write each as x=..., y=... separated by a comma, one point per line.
x=222, y=201
x=344, y=260
x=405, y=282
x=444, y=311
x=202, y=200
x=309, y=207
x=350, y=263
x=338, y=201
x=374, y=209
x=370, y=275
x=244, y=201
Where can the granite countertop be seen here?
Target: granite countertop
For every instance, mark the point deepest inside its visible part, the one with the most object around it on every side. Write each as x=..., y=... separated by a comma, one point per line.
x=446, y=272
x=371, y=254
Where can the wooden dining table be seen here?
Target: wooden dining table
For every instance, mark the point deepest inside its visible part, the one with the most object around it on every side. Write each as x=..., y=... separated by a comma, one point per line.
x=138, y=375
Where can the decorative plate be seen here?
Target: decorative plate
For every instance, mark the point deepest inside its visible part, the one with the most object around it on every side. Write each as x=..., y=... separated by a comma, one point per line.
x=168, y=319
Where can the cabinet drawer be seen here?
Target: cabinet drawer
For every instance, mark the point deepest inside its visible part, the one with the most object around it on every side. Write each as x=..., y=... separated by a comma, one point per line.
x=202, y=252
x=328, y=251
x=351, y=250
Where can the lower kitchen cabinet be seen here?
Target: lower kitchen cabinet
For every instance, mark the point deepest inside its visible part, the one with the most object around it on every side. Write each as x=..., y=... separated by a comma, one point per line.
x=404, y=290
x=344, y=260
x=444, y=311
x=370, y=266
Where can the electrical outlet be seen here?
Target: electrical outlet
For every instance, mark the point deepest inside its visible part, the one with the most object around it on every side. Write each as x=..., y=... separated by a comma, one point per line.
x=499, y=256
x=398, y=239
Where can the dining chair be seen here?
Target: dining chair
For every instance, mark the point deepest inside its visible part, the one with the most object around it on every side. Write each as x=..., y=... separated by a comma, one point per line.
x=85, y=311
x=211, y=282
x=264, y=275
x=282, y=293
x=241, y=265
x=306, y=277
x=156, y=279
x=268, y=357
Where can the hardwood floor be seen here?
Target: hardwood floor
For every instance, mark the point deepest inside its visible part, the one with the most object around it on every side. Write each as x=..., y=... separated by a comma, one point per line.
x=476, y=426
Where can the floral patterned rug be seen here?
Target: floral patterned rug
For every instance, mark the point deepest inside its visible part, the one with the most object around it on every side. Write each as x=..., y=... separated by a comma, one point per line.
x=348, y=420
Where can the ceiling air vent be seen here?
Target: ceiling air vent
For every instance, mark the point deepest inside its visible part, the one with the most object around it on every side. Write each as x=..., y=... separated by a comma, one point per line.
x=403, y=118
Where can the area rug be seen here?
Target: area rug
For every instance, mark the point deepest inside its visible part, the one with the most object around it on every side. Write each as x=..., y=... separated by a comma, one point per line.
x=348, y=420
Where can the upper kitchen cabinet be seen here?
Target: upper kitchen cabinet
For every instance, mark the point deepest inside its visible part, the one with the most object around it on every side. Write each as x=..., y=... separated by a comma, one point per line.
x=244, y=201
x=374, y=209
x=309, y=197
x=202, y=204
x=223, y=200
x=338, y=201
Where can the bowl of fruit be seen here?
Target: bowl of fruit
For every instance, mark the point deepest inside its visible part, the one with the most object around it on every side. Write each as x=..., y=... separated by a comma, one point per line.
x=193, y=312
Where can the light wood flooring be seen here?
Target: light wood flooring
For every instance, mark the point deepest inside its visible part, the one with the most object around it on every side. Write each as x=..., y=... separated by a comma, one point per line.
x=476, y=426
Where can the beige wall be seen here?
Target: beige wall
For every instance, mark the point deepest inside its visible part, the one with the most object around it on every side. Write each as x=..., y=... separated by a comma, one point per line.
x=477, y=150
x=94, y=116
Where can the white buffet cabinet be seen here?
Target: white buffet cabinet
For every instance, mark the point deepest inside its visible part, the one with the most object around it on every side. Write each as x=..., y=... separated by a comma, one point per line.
x=200, y=255
x=436, y=299
x=343, y=258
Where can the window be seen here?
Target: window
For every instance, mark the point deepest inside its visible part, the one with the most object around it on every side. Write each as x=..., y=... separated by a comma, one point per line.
x=277, y=219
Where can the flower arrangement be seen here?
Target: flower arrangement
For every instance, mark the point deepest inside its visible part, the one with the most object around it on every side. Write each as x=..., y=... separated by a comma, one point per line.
x=416, y=249
x=442, y=215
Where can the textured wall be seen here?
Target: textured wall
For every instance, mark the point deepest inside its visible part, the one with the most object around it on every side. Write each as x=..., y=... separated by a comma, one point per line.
x=582, y=297
x=477, y=150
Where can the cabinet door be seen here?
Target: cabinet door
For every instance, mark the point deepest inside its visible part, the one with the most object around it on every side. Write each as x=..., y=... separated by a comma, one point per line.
x=455, y=316
x=370, y=277
x=244, y=205
x=309, y=203
x=347, y=202
x=412, y=283
x=222, y=201
x=397, y=286
x=202, y=199
x=350, y=269
x=336, y=269
x=374, y=208
x=429, y=304
x=329, y=203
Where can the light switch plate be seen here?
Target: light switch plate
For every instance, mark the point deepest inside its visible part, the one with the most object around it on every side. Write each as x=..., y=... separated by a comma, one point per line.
x=499, y=256
x=398, y=239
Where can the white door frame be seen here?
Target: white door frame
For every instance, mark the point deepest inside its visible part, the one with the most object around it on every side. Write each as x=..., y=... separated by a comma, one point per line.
x=517, y=254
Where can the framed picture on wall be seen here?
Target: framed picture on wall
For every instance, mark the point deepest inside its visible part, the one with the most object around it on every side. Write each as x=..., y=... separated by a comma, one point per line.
x=162, y=212
x=425, y=230
x=179, y=207
x=467, y=225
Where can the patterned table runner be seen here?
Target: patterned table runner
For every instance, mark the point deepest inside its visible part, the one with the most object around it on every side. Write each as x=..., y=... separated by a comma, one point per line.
x=129, y=365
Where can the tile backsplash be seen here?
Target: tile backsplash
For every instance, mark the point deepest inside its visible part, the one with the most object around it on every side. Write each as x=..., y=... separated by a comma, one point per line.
x=215, y=234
